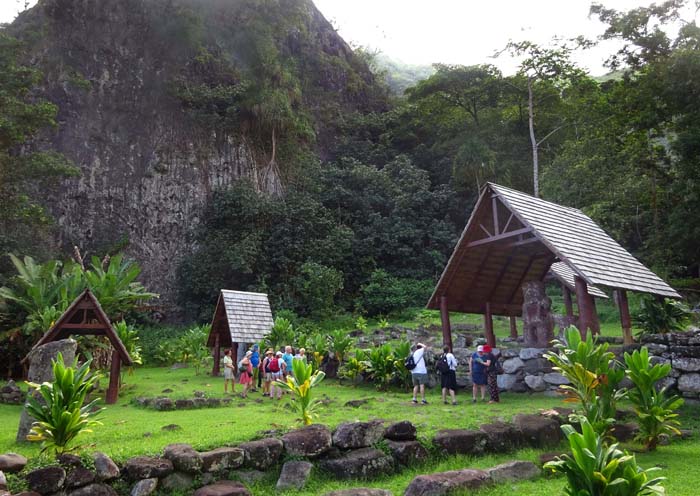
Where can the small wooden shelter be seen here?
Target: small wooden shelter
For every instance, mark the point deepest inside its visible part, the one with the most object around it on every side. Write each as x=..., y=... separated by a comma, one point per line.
x=512, y=238
x=240, y=317
x=85, y=317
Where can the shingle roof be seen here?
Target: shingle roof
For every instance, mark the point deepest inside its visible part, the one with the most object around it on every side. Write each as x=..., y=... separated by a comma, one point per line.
x=583, y=245
x=248, y=315
x=564, y=274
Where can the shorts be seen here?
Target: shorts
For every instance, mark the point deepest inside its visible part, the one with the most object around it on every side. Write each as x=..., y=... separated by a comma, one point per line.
x=449, y=380
x=419, y=379
x=228, y=374
x=268, y=377
x=276, y=376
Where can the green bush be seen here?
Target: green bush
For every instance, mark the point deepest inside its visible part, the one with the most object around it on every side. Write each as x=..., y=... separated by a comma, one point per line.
x=655, y=410
x=64, y=414
x=656, y=317
x=384, y=293
x=300, y=385
x=594, y=469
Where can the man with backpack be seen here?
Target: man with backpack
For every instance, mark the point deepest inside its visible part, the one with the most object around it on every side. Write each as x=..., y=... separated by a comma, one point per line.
x=419, y=372
x=447, y=366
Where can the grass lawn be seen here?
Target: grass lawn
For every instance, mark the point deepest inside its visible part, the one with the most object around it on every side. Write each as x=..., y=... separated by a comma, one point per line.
x=129, y=430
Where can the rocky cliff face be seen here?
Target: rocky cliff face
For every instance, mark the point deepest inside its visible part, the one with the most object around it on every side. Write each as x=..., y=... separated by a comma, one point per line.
x=147, y=167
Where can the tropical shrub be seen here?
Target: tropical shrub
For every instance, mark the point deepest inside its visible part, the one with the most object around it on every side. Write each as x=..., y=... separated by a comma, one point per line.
x=655, y=409
x=354, y=367
x=281, y=334
x=192, y=347
x=318, y=344
x=401, y=374
x=300, y=385
x=380, y=365
x=129, y=337
x=339, y=342
x=594, y=469
x=656, y=317
x=63, y=415
x=594, y=376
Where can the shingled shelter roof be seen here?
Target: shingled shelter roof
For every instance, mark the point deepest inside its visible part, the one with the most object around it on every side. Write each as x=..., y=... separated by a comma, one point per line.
x=85, y=317
x=512, y=238
x=562, y=272
x=240, y=317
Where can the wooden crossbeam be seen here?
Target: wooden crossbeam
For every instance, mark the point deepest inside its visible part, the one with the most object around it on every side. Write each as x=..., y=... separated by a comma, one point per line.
x=499, y=237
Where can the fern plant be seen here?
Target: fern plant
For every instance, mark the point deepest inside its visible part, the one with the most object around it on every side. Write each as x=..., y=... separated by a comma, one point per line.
x=63, y=415
x=655, y=409
x=595, y=469
x=300, y=385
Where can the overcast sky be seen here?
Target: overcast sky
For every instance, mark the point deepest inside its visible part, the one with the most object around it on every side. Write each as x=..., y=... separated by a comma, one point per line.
x=453, y=31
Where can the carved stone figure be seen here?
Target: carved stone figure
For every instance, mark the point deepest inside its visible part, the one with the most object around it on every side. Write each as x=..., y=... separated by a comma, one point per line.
x=538, y=325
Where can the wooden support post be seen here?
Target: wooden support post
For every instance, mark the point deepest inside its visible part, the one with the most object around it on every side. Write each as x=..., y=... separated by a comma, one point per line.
x=445, y=318
x=488, y=326
x=584, y=307
x=625, y=316
x=114, y=372
x=567, y=301
x=234, y=355
x=595, y=322
x=513, y=327
x=217, y=356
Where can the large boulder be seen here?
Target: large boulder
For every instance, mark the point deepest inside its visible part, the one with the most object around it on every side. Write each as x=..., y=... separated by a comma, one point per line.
x=96, y=489
x=401, y=431
x=184, y=458
x=105, y=468
x=461, y=442
x=46, y=480
x=294, y=475
x=555, y=379
x=624, y=432
x=407, y=452
x=689, y=383
x=221, y=459
x=364, y=463
x=538, y=431
x=530, y=353
x=506, y=381
x=146, y=467
x=177, y=482
x=358, y=434
x=144, y=487
x=12, y=462
x=514, y=471
x=79, y=477
x=447, y=482
x=223, y=488
x=537, y=365
x=535, y=382
x=310, y=441
x=502, y=437
x=512, y=365
x=262, y=454
x=40, y=371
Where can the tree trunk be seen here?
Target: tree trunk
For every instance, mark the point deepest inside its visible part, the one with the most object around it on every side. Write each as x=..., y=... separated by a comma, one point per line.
x=533, y=140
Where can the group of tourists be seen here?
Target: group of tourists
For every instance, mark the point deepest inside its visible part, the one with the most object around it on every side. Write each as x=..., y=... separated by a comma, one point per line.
x=483, y=369
x=260, y=372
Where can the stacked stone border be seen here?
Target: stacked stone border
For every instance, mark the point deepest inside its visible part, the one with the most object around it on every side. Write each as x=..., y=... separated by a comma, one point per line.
x=354, y=451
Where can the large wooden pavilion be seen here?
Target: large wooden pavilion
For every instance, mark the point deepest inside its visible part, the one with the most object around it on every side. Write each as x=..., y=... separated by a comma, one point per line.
x=85, y=317
x=513, y=238
x=240, y=317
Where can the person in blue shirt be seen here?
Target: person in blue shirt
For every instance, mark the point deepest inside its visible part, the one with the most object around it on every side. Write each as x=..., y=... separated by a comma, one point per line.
x=255, y=362
x=478, y=364
x=288, y=357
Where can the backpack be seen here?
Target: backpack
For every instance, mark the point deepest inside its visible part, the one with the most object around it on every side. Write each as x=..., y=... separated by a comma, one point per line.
x=497, y=366
x=273, y=365
x=242, y=367
x=442, y=364
x=410, y=363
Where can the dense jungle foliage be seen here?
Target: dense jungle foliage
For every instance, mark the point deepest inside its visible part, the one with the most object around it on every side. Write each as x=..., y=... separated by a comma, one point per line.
x=374, y=200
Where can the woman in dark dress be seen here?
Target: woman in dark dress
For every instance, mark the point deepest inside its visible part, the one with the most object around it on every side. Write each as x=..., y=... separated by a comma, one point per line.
x=477, y=367
x=491, y=374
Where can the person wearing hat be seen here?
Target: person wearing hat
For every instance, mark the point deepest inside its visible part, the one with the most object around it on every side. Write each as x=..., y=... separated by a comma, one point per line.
x=491, y=373
x=419, y=374
x=245, y=367
x=477, y=369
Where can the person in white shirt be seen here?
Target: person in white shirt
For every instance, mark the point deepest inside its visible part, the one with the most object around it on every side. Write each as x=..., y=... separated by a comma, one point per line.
x=448, y=379
x=419, y=374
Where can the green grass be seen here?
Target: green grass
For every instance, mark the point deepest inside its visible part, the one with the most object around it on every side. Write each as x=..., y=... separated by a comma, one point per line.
x=129, y=430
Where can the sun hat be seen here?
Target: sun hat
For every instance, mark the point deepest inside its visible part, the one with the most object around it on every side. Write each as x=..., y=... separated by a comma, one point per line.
x=479, y=348
x=270, y=352
x=487, y=349
x=248, y=353
x=279, y=353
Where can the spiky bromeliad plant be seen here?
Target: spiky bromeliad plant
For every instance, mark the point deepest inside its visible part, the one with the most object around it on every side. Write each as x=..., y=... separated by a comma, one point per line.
x=655, y=409
x=300, y=385
x=595, y=469
x=63, y=414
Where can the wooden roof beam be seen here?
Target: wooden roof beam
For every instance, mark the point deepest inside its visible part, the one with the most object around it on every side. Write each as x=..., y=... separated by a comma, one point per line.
x=499, y=237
